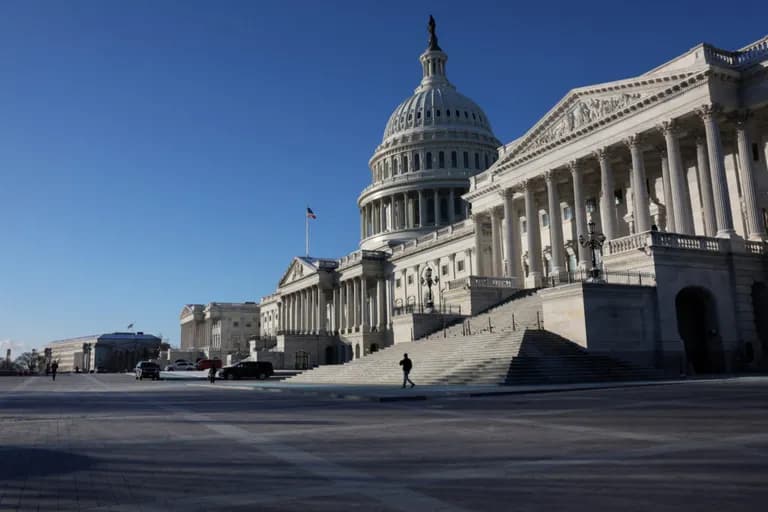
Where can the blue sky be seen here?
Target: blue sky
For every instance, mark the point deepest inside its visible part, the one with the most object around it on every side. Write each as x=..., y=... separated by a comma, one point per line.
x=157, y=153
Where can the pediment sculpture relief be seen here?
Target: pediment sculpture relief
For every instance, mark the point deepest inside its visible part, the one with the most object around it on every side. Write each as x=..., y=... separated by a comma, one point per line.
x=583, y=112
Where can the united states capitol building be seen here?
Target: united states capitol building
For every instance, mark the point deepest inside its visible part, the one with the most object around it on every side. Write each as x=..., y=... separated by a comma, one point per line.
x=667, y=170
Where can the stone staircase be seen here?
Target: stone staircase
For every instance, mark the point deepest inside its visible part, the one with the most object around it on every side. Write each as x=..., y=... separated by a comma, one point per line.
x=525, y=356
x=520, y=311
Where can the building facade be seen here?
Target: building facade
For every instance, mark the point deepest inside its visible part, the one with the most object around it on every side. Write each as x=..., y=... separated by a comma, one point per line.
x=219, y=328
x=113, y=352
x=669, y=167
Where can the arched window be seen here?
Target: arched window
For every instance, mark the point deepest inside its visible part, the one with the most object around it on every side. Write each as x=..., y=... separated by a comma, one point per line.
x=416, y=162
x=477, y=160
x=486, y=160
x=458, y=114
x=429, y=113
x=466, y=160
x=441, y=160
x=429, y=159
x=473, y=116
x=448, y=113
x=437, y=113
x=405, y=164
x=454, y=160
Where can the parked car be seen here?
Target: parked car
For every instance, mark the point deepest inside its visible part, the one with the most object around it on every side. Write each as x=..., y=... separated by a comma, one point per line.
x=245, y=369
x=181, y=366
x=148, y=370
x=205, y=364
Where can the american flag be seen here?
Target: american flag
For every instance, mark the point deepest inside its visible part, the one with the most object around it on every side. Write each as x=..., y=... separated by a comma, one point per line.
x=310, y=213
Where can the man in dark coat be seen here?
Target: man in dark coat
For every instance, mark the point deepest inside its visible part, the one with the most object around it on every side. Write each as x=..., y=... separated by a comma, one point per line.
x=407, y=364
x=54, y=369
x=212, y=374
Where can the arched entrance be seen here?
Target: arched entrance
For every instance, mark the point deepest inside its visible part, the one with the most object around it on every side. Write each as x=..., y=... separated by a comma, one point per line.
x=330, y=355
x=699, y=329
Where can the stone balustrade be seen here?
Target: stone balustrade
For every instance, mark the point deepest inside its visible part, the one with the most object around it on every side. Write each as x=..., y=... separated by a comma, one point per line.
x=485, y=282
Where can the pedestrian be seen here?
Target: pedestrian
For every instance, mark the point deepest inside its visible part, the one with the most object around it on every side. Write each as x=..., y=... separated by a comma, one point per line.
x=54, y=368
x=407, y=364
x=212, y=373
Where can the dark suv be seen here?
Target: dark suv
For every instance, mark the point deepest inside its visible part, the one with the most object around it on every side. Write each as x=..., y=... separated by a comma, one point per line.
x=147, y=370
x=245, y=369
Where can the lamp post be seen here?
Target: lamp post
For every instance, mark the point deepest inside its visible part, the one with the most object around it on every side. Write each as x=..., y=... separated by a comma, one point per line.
x=595, y=243
x=427, y=280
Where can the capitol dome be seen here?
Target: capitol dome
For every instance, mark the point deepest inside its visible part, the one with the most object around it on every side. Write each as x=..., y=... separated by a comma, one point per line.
x=433, y=143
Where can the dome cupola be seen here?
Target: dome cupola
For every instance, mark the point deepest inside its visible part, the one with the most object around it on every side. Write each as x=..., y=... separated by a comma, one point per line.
x=433, y=142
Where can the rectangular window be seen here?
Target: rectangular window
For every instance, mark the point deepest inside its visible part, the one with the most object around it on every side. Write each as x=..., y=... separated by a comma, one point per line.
x=444, y=270
x=466, y=160
x=523, y=226
x=454, y=160
x=486, y=160
x=405, y=163
x=460, y=266
x=477, y=160
x=235, y=324
x=591, y=205
x=441, y=160
x=755, y=152
x=410, y=279
x=429, y=160
x=545, y=219
x=416, y=162
x=398, y=283
x=618, y=196
x=567, y=213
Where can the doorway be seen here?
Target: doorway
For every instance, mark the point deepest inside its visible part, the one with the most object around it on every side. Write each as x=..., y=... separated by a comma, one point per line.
x=698, y=327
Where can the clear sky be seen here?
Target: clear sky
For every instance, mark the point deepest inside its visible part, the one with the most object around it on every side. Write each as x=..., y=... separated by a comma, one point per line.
x=158, y=153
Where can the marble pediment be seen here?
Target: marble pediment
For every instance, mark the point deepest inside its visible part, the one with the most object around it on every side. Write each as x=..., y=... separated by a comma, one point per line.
x=297, y=270
x=585, y=108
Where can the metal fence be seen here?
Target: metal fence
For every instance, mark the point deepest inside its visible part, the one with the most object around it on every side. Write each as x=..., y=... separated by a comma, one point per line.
x=423, y=309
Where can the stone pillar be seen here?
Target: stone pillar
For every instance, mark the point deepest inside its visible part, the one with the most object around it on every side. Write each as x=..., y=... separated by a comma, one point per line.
x=668, y=201
x=406, y=220
x=580, y=211
x=364, y=306
x=390, y=299
x=355, y=304
x=422, y=210
x=681, y=199
x=469, y=253
x=404, y=273
x=437, y=207
x=753, y=216
x=642, y=216
x=555, y=224
x=391, y=215
x=382, y=216
x=419, y=294
x=607, y=200
x=723, y=216
x=533, y=237
x=381, y=299
x=495, y=243
x=362, y=223
x=476, y=219
x=451, y=206
x=705, y=183
x=412, y=212
x=511, y=236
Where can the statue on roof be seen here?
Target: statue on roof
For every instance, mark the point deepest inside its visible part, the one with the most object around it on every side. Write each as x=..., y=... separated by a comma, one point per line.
x=432, y=36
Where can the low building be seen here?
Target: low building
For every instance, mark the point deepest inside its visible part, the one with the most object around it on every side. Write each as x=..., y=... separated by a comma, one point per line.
x=116, y=351
x=219, y=328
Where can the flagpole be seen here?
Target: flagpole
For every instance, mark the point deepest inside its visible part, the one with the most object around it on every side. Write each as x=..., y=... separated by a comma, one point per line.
x=306, y=224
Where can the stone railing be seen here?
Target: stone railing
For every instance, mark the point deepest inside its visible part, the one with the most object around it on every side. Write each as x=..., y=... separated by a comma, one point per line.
x=759, y=248
x=437, y=235
x=485, y=282
x=626, y=243
x=659, y=239
x=751, y=54
x=354, y=257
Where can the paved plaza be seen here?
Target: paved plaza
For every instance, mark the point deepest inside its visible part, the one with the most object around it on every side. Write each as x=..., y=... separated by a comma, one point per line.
x=108, y=442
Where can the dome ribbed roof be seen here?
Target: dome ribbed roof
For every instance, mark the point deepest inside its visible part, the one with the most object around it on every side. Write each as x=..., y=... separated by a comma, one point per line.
x=437, y=106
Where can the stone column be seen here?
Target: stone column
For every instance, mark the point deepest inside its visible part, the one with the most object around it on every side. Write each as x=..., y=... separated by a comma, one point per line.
x=381, y=299
x=668, y=201
x=580, y=211
x=555, y=224
x=495, y=243
x=422, y=210
x=404, y=273
x=419, y=293
x=382, y=216
x=355, y=304
x=390, y=300
x=533, y=237
x=607, y=200
x=476, y=219
x=451, y=206
x=511, y=237
x=469, y=253
x=705, y=183
x=322, y=326
x=364, y=307
x=392, y=225
x=437, y=207
x=406, y=220
x=753, y=216
x=412, y=212
x=642, y=216
x=717, y=168
x=362, y=223
x=681, y=199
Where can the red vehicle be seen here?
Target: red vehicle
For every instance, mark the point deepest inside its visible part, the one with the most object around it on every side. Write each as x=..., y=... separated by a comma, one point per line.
x=206, y=364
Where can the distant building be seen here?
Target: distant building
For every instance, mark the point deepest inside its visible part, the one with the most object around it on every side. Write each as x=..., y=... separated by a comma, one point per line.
x=219, y=328
x=116, y=351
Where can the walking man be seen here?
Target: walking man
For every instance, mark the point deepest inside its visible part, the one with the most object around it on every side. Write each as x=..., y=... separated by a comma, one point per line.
x=407, y=364
x=212, y=374
x=54, y=368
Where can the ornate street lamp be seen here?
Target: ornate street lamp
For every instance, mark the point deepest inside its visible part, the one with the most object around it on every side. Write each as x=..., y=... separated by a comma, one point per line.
x=595, y=243
x=427, y=280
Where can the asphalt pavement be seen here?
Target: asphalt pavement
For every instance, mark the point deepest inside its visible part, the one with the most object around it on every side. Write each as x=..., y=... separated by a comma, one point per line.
x=108, y=442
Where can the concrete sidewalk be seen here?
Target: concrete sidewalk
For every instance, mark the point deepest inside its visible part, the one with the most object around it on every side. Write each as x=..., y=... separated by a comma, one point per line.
x=395, y=393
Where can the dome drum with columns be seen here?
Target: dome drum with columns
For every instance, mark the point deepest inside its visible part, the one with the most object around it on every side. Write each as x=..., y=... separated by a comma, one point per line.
x=433, y=143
